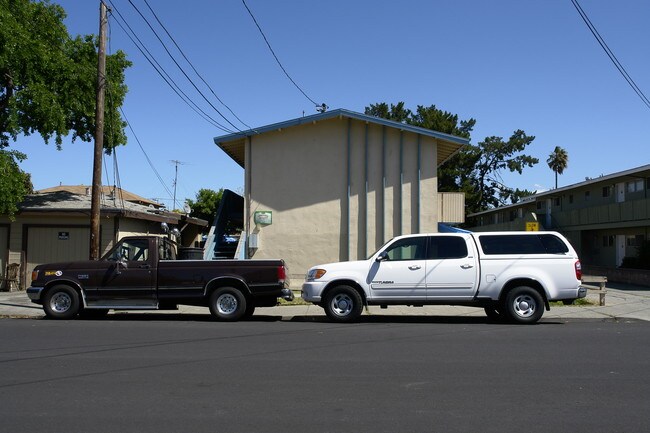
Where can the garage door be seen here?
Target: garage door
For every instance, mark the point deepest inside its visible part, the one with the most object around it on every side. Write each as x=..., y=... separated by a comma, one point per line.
x=55, y=244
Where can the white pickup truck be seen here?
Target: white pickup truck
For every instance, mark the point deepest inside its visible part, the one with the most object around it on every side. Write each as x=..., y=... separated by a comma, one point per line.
x=512, y=275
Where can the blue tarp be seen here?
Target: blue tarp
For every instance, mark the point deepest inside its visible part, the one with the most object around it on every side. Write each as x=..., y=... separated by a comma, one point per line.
x=445, y=228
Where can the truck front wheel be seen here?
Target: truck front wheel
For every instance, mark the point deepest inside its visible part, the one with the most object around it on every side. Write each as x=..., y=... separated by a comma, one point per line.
x=61, y=302
x=524, y=305
x=228, y=304
x=343, y=304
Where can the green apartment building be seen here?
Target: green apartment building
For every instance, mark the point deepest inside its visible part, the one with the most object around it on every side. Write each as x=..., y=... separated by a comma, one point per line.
x=606, y=218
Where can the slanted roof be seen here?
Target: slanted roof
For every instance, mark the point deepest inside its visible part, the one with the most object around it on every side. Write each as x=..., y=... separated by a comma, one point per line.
x=107, y=191
x=65, y=202
x=233, y=144
x=633, y=173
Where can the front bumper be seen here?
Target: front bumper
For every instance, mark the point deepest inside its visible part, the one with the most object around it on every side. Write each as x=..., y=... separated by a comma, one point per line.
x=311, y=291
x=34, y=293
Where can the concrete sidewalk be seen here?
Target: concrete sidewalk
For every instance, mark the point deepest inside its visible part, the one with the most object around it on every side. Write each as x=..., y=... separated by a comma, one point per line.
x=622, y=302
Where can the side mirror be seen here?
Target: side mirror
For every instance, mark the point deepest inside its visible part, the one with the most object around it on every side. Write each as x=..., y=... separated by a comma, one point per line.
x=382, y=256
x=119, y=265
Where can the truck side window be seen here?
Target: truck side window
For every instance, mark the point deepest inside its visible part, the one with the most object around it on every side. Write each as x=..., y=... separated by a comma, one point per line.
x=407, y=249
x=132, y=250
x=553, y=244
x=446, y=247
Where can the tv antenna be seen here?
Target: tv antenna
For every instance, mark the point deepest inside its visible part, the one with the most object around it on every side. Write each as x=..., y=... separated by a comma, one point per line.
x=176, y=164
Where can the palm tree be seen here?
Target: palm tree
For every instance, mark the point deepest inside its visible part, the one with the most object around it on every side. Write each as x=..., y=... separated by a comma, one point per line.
x=558, y=161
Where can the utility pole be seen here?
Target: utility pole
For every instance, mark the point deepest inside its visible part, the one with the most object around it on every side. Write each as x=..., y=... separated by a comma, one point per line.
x=95, y=205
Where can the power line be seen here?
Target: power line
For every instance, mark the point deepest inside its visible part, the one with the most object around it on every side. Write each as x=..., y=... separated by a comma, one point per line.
x=160, y=179
x=610, y=53
x=321, y=107
x=180, y=67
x=163, y=73
x=192, y=66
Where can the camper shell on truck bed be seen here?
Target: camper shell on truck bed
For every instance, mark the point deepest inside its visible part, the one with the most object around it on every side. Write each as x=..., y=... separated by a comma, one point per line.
x=512, y=275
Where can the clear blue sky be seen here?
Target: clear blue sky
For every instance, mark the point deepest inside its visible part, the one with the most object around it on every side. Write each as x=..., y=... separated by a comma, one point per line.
x=510, y=64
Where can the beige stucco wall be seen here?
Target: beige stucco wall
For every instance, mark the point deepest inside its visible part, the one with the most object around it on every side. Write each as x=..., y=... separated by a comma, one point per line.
x=301, y=175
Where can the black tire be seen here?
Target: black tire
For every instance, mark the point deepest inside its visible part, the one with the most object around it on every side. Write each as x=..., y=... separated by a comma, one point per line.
x=228, y=304
x=343, y=304
x=61, y=302
x=250, y=310
x=495, y=313
x=93, y=313
x=524, y=305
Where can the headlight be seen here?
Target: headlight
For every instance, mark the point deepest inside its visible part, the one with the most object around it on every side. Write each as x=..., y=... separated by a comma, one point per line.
x=315, y=274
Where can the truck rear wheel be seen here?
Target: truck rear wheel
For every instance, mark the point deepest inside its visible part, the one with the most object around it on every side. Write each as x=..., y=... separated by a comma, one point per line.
x=61, y=302
x=228, y=304
x=343, y=304
x=524, y=305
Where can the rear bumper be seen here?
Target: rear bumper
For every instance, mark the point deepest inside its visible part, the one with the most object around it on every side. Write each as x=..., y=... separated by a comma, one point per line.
x=287, y=294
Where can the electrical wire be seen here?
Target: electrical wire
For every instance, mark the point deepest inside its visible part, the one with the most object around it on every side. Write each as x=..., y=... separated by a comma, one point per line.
x=180, y=68
x=162, y=72
x=268, y=44
x=160, y=179
x=191, y=65
x=610, y=53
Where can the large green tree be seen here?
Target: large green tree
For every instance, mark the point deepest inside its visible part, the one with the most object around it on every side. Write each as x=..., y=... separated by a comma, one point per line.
x=48, y=82
x=48, y=79
x=474, y=170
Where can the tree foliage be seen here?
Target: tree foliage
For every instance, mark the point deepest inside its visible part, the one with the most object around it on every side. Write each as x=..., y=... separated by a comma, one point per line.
x=474, y=170
x=558, y=161
x=206, y=204
x=14, y=183
x=48, y=79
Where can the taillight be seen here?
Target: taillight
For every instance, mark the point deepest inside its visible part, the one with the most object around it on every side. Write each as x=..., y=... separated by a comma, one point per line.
x=282, y=274
x=578, y=267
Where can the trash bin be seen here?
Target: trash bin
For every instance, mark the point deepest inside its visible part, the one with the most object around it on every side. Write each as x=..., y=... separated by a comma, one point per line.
x=187, y=253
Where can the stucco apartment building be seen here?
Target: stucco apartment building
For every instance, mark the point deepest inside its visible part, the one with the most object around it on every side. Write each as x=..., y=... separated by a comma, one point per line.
x=337, y=185
x=605, y=217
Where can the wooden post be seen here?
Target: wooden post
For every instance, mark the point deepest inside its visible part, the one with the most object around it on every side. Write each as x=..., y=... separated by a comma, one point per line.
x=95, y=205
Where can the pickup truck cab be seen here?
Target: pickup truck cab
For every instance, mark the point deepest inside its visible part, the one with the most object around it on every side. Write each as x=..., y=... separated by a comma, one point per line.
x=141, y=273
x=512, y=275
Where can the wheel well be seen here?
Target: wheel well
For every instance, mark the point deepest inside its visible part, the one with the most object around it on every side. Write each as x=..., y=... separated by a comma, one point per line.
x=228, y=282
x=73, y=286
x=533, y=284
x=350, y=283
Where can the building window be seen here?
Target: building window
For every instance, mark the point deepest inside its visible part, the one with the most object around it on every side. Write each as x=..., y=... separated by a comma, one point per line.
x=539, y=205
x=557, y=201
x=635, y=185
x=634, y=240
x=608, y=241
x=570, y=198
x=587, y=195
x=607, y=191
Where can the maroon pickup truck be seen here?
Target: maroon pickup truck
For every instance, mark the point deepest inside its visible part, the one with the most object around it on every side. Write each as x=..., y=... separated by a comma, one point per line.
x=142, y=273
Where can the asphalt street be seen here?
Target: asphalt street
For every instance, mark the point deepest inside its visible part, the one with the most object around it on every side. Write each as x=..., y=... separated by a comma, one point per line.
x=187, y=373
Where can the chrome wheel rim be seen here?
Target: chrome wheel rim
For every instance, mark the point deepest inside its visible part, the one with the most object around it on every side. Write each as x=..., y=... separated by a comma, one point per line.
x=60, y=302
x=227, y=303
x=342, y=304
x=524, y=306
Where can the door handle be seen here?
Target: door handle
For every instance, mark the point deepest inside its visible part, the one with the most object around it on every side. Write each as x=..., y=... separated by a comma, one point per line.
x=144, y=266
x=415, y=267
x=466, y=266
